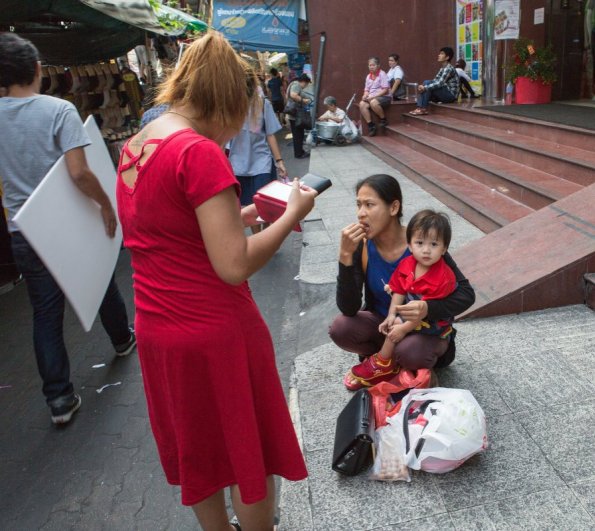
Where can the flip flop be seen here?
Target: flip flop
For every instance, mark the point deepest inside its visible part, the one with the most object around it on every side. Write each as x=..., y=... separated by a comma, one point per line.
x=418, y=112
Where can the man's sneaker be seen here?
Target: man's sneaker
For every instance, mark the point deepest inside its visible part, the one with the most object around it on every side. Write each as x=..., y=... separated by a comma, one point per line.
x=64, y=407
x=124, y=349
x=372, y=130
x=383, y=122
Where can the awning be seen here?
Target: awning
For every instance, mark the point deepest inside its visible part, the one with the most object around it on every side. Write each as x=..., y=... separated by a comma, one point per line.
x=150, y=16
x=74, y=31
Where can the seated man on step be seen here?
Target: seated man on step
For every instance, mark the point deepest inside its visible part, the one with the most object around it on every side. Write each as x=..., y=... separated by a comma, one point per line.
x=443, y=88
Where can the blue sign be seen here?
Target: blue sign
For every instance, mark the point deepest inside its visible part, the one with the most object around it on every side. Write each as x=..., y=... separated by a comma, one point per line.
x=258, y=25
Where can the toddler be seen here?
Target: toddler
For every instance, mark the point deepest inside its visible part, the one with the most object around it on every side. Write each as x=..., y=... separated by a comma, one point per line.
x=422, y=275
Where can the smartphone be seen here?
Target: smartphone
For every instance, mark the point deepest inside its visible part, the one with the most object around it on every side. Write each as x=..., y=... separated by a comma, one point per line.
x=316, y=182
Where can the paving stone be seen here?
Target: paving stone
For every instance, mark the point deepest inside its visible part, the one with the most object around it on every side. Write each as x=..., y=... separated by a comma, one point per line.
x=512, y=466
x=441, y=522
x=540, y=380
x=585, y=492
x=550, y=509
x=565, y=434
x=322, y=366
x=356, y=503
x=318, y=237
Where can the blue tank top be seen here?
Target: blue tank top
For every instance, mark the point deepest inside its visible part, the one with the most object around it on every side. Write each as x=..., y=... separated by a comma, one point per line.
x=378, y=274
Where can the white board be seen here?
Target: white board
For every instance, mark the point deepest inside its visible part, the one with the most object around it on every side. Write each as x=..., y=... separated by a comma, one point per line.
x=66, y=230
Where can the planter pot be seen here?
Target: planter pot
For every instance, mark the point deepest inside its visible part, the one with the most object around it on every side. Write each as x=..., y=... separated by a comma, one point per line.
x=529, y=91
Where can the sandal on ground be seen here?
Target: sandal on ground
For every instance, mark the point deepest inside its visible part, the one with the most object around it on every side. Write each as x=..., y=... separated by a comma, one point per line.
x=418, y=112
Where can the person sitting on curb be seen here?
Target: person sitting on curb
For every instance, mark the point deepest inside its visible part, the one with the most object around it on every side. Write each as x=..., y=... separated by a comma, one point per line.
x=375, y=96
x=396, y=77
x=443, y=88
x=465, y=81
x=333, y=113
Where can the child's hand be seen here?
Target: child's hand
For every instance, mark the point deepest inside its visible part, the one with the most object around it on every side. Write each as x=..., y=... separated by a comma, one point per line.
x=396, y=333
x=386, y=325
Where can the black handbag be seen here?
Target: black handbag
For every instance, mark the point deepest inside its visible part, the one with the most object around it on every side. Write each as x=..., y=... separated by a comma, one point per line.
x=291, y=107
x=303, y=118
x=354, y=436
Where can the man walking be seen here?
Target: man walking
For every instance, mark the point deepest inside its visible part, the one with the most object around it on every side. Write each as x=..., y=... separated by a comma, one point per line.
x=42, y=129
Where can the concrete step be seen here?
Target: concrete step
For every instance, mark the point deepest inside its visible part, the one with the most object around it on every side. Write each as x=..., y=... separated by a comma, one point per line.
x=536, y=262
x=486, y=208
x=563, y=160
x=473, y=113
x=527, y=185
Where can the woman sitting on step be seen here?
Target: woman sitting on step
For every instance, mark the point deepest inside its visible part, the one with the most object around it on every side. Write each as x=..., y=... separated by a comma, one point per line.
x=370, y=250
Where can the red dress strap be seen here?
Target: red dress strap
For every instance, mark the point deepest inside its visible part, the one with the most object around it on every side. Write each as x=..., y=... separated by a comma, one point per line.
x=134, y=160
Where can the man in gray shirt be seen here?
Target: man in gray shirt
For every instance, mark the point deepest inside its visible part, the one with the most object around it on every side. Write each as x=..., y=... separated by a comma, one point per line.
x=39, y=130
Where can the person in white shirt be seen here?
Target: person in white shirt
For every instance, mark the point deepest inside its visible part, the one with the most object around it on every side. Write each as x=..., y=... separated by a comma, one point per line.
x=466, y=88
x=396, y=77
x=333, y=113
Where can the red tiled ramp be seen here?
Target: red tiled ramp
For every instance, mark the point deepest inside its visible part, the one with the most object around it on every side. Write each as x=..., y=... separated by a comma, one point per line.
x=535, y=262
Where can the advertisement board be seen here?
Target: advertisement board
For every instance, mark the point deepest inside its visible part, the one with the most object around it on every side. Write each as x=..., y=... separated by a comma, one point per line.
x=265, y=25
x=470, y=39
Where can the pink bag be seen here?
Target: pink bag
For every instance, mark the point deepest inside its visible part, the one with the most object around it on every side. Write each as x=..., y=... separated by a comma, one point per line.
x=386, y=405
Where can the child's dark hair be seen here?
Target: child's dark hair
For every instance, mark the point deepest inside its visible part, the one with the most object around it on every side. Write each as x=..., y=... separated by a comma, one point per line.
x=448, y=51
x=395, y=56
x=461, y=63
x=18, y=60
x=425, y=221
x=274, y=72
x=387, y=188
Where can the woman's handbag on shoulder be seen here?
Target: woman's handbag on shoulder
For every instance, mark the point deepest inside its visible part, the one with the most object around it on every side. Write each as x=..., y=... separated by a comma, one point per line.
x=354, y=436
x=291, y=107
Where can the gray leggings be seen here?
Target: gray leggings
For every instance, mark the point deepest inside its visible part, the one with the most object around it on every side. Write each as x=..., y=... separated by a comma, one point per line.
x=359, y=334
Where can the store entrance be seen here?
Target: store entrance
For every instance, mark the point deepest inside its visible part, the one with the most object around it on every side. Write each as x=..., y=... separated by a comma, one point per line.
x=568, y=36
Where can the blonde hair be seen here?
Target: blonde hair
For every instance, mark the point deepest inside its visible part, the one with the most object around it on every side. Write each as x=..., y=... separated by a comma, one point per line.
x=213, y=80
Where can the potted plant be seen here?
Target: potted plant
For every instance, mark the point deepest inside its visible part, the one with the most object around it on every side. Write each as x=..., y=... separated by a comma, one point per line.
x=533, y=71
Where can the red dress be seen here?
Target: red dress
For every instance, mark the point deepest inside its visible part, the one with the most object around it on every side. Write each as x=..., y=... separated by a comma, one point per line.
x=215, y=402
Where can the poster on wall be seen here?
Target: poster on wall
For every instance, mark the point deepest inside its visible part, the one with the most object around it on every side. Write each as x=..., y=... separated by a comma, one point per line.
x=469, y=39
x=258, y=25
x=507, y=21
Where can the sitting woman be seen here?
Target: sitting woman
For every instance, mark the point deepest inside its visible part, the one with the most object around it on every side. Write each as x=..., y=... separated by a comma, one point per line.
x=376, y=96
x=370, y=250
x=333, y=113
x=465, y=81
x=396, y=77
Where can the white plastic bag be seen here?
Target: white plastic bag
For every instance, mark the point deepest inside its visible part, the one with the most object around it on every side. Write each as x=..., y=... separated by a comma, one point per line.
x=389, y=462
x=442, y=428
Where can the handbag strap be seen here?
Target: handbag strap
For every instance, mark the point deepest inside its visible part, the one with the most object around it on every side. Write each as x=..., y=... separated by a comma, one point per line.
x=408, y=416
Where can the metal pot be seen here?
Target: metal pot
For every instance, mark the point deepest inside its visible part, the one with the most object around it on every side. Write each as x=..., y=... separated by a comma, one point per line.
x=327, y=130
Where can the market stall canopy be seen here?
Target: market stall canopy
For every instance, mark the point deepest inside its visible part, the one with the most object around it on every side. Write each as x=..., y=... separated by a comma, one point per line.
x=72, y=32
x=259, y=25
x=149, y=15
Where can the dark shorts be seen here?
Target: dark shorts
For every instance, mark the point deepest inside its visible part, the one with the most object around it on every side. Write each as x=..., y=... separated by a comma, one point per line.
x=278, y=105
x=384, y=101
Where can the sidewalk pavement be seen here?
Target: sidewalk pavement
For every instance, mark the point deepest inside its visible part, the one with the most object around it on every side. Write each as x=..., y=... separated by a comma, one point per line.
x=533, y=374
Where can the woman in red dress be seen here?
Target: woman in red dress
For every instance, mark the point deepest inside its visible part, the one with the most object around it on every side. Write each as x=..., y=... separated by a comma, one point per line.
x=215, y=402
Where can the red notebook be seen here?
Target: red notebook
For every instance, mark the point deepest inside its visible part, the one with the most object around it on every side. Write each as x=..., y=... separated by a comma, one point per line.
x=271, y=201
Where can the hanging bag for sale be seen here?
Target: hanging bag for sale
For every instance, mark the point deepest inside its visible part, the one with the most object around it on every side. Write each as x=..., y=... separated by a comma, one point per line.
x=442, y=428
x=354, y=436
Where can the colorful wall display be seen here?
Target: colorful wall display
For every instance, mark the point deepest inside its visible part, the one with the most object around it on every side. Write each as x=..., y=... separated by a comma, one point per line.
x=258, y=25
x=469, y=39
